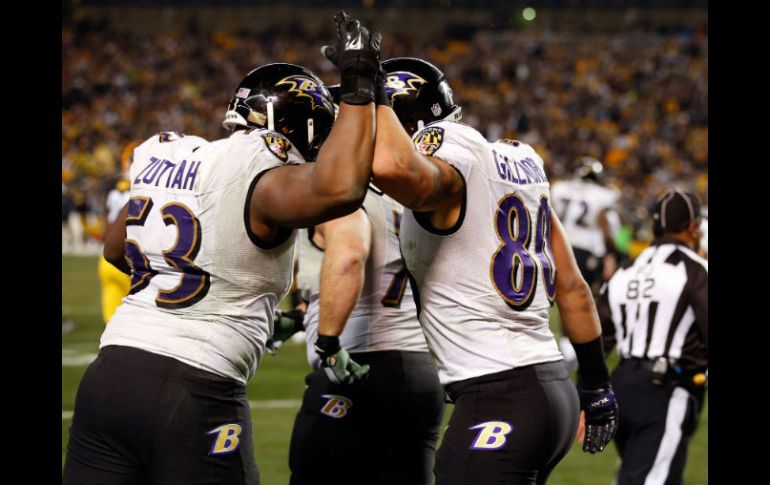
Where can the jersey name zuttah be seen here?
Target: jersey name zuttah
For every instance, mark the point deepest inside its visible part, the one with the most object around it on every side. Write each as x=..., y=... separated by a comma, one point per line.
x=385, y=317
x=202, y=291
x=485, y=286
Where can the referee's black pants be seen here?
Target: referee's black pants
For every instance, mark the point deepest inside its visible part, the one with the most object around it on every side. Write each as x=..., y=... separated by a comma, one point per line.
x=656, y=423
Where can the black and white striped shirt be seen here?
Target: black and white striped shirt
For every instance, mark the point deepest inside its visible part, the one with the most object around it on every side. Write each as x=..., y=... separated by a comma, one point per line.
x=658, y=306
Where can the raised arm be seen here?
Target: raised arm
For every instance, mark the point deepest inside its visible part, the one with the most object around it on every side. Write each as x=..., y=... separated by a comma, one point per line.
x=333, y=186
x=419, y=182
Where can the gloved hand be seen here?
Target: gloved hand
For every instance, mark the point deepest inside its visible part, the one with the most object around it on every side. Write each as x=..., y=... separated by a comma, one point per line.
x=336, y=362
x=285, y=324
x=357, y=55
x=601, y=417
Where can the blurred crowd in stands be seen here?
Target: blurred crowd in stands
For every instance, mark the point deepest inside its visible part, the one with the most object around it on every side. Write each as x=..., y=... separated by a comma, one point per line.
x=637, y=101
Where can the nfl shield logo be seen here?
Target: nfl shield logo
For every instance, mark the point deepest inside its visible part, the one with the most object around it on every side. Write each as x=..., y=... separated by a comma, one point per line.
x=435, y=109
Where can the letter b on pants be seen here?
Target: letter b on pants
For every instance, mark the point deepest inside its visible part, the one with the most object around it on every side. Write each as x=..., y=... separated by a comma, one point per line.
x=337, y=406
x=491, y=435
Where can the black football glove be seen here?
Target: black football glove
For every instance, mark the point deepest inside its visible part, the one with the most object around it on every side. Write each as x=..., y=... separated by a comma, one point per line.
x=380, y=94
x=357, y=55
x=337, y=364
x=601, y=420
x=285, y=324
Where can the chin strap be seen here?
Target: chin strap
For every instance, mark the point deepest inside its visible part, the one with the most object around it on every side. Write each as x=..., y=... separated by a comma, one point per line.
x=270, y=116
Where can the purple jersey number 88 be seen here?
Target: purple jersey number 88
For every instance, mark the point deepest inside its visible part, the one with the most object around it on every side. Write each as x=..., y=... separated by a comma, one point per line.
x=513, y=269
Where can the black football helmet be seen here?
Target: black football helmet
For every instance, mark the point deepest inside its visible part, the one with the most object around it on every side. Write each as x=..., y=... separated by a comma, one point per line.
x=336, y=91
x=588, y=168
x=285, y=98
x=418, y=92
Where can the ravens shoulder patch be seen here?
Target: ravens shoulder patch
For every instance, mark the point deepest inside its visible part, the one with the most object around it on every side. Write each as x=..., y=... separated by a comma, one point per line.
x=278, y=145
x=429, y=140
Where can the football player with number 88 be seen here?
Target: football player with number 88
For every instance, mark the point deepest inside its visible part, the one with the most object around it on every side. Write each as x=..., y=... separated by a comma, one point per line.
x=489, y=257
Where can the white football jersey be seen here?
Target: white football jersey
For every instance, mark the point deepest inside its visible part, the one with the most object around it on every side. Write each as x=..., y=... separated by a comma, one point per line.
x=578, y=204
x=385, y=317
x=309, y=258
x=202, y=291
x=486, y=286
x=115, y=202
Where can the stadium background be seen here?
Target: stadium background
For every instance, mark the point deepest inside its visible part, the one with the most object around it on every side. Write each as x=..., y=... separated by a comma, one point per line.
x=625, y=82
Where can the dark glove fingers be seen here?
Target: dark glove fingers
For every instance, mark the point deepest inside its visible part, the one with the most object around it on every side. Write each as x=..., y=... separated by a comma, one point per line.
x=588, y=439
x=340, y=19
x=375, y=41
x=350, y=26
x=601, y=438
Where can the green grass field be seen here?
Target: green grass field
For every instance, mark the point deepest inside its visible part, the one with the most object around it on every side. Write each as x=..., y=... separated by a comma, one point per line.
x=277, y=388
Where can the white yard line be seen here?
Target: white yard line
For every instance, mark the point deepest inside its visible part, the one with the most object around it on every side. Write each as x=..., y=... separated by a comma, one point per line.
x=261, y=404
x=73, y=358
x=275, y=404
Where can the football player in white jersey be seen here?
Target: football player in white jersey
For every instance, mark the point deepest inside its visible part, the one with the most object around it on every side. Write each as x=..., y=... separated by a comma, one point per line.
x=381, y=405
x=488, y=257
x=585, y=208
x=208, y=234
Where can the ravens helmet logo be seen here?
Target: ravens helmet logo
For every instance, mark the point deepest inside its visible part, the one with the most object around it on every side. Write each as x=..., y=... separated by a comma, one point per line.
x=307, y=87
x=402, y=82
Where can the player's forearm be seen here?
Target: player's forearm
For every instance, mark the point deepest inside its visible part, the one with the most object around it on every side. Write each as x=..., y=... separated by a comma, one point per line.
x=342, y=279
x=578, y=312
x=344, y=165
x=392, y=171
x=417, y=182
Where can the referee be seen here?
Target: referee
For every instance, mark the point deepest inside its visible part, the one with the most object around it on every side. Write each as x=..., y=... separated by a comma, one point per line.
x=656, y=311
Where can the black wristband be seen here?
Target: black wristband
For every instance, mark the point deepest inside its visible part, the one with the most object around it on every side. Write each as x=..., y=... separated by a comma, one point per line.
x=592, y=369
x=298, y=317
x=358, y=75
x=356, y=90
x=327, y=345
x=380, y=94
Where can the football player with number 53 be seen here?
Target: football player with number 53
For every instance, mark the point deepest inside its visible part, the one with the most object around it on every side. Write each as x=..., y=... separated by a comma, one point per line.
x=208, y=234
